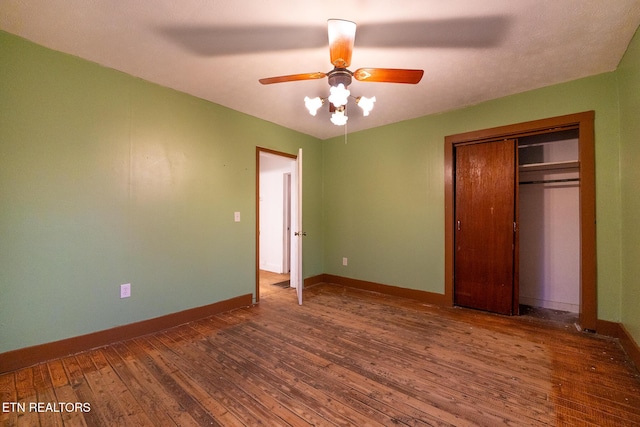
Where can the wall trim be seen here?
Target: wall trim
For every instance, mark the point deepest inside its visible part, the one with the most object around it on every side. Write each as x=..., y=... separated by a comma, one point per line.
x=423, y=296
x=314, y=280
x=28, y=356
x=617, y=330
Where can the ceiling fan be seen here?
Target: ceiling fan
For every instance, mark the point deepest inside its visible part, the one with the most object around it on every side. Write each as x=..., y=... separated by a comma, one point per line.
x=342, y=35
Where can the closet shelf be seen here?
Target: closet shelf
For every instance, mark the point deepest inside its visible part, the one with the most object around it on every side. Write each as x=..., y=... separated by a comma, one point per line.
x=573, y=164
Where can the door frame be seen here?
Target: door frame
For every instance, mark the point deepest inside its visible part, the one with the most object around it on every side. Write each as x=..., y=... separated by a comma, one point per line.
x=584, y=122
x=257, y=201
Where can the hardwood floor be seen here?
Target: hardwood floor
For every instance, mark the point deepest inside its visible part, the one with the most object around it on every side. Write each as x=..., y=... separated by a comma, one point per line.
x=345, y=357
x=271, y=282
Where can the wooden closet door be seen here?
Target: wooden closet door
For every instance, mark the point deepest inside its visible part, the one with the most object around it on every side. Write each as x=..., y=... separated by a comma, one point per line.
x=484, y=235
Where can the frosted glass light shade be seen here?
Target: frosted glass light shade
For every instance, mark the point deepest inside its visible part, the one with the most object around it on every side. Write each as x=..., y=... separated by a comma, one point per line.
x=366, y=104
x=339, y=118
x=313, y=104
x=339, y=95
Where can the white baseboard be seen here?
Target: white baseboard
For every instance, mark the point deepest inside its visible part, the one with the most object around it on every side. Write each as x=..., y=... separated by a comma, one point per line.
x=554, y=305
x=274, y=268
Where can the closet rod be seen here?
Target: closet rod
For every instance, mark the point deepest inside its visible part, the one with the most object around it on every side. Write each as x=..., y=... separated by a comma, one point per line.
x=546, y=181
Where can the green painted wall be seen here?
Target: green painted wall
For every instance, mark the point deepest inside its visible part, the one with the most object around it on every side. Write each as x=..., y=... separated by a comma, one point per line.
x=107, y=179
x=384, y=188
x=629, y=80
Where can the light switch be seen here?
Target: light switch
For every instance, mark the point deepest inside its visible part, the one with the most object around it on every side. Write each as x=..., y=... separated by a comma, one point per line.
x=236, y=216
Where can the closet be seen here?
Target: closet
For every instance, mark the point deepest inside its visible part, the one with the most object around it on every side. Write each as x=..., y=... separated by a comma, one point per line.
x=549, y=221
x=518, y=232
x=520, y=217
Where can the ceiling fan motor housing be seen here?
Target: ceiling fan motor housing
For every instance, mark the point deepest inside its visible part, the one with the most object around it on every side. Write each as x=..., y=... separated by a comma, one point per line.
x=339, y=75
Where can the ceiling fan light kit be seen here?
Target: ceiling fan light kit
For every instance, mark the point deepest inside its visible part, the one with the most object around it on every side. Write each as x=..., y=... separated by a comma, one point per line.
x=342, y=35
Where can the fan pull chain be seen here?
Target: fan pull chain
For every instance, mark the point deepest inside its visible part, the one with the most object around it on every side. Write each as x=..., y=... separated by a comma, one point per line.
x=345, y=134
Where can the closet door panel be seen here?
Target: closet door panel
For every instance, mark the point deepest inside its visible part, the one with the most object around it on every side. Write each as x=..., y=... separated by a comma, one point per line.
x=484, y=237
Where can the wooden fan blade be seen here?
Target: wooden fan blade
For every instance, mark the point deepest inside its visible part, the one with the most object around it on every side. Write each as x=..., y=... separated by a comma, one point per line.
x=292, y=78
x=342, y=34
x=388, y=75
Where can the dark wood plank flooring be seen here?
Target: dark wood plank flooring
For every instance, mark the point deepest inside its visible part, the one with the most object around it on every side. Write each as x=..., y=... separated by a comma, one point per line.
x=345, y=357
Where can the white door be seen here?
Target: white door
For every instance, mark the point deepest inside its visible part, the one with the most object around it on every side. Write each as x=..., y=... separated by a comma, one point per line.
x=286, y=224
x=296, y=230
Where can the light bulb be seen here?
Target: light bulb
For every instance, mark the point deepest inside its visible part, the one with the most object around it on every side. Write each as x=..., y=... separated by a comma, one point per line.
x=339, y=95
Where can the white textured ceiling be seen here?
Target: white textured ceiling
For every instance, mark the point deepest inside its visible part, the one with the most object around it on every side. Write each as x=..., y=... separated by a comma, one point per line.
x=471, y=50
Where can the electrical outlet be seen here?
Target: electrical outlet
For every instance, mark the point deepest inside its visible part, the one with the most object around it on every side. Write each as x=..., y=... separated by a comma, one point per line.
x=344, y=261
x=236, y=216
x=125, y=290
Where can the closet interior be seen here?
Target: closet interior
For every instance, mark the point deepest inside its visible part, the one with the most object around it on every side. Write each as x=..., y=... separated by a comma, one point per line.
x=549, y=221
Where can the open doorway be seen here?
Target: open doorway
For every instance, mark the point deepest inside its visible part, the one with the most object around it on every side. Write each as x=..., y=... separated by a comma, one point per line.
x=274, y=216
